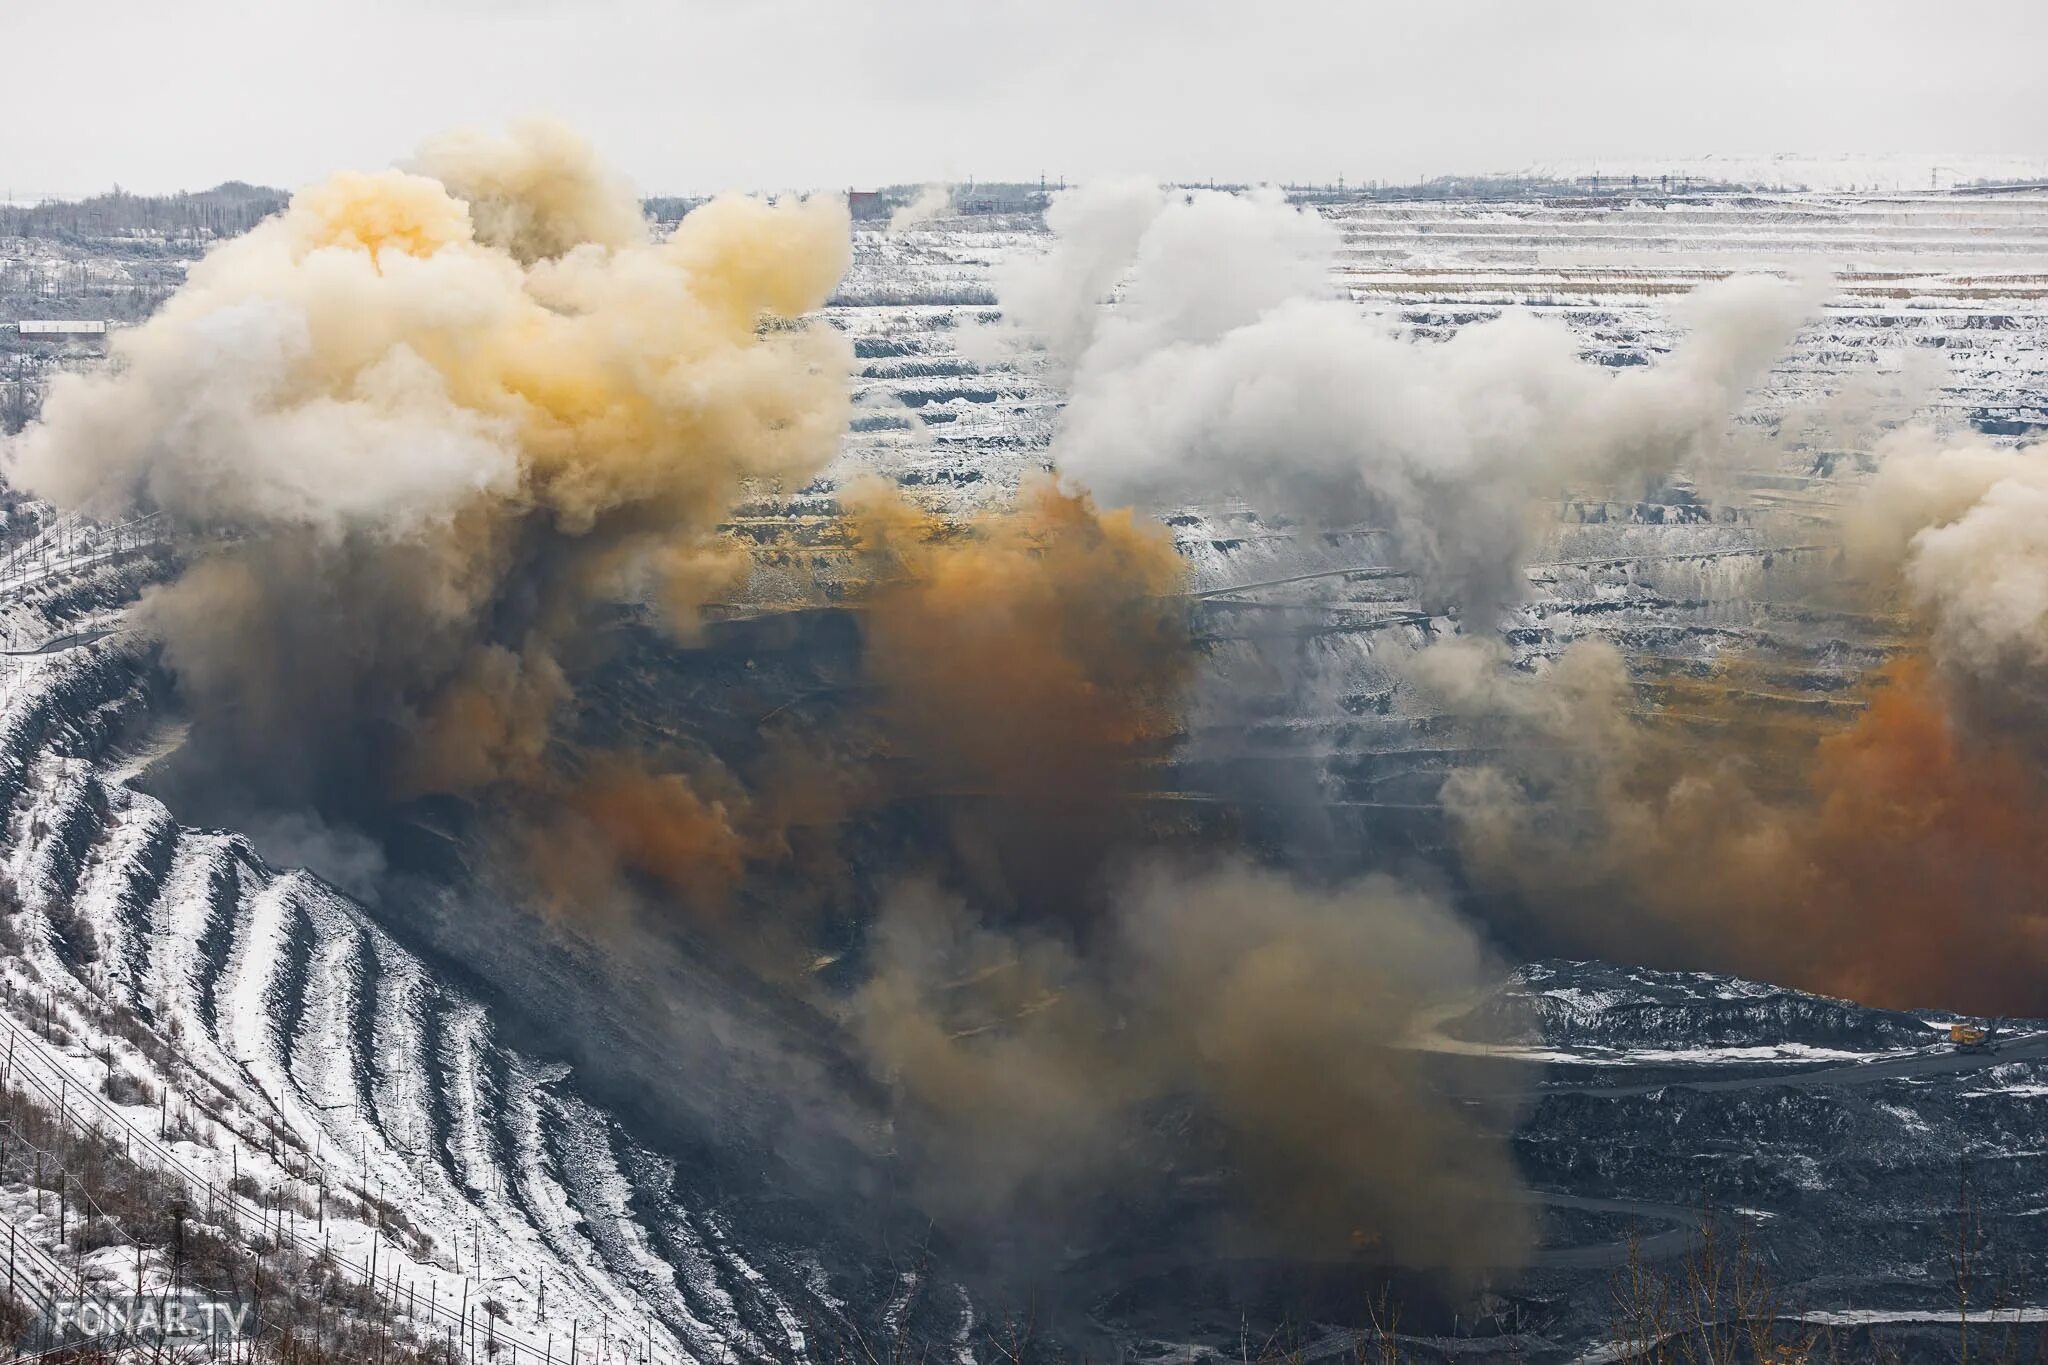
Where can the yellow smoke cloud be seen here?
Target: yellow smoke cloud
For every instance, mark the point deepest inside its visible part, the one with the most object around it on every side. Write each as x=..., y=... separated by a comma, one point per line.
x=1026, y=664
x=420, y=420
x=1034, y=649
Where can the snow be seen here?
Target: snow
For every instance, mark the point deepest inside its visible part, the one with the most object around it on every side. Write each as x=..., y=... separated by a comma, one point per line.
x=1611, y=1353
x=203, y=944
x=1837, y=173
x=1781, y=1053
x=1861, y=1317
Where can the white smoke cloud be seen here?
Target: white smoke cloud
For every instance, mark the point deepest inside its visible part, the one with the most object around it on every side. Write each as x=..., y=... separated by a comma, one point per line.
x=1965, y=522
x=1206, y=265
x=933, y=201
x=1227, y=368
x=1054, y=299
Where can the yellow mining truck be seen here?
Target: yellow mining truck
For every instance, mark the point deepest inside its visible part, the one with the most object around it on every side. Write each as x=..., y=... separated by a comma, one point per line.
x=1971, y=1037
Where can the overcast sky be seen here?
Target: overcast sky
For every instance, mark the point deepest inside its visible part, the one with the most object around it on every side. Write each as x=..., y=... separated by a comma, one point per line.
x=689, y=97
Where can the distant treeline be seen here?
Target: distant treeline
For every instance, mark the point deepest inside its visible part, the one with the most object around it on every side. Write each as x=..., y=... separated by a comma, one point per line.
x=223, y=211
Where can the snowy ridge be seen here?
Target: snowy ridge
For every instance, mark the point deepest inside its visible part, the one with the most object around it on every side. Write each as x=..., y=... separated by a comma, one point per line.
x=1581, y=1005
x=305, y=1051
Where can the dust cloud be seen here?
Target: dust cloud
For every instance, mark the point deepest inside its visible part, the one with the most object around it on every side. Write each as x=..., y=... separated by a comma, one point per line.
x=1038, y=1078
x=1027, y=665
x=408, y=432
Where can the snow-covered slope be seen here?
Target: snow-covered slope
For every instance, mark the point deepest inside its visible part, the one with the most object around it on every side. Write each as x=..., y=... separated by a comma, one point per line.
x=312, y=1062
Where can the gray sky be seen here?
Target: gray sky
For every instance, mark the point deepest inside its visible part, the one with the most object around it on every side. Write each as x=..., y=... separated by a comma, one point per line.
x=686, y=97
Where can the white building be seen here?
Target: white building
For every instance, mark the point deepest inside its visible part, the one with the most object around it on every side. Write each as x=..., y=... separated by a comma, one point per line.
x=57, y=330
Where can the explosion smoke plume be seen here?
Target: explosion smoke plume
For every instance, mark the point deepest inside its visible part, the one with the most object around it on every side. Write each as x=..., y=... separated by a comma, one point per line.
x=1964, y=525
x=1029, y=649
x=932, y=201
x=1893, y=860
x=1226, y=369
x=410, y=429
x=1223, y=368
x=1026, y=664
x=619, y=814
x=1036, y=1077
x=1899, y=858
